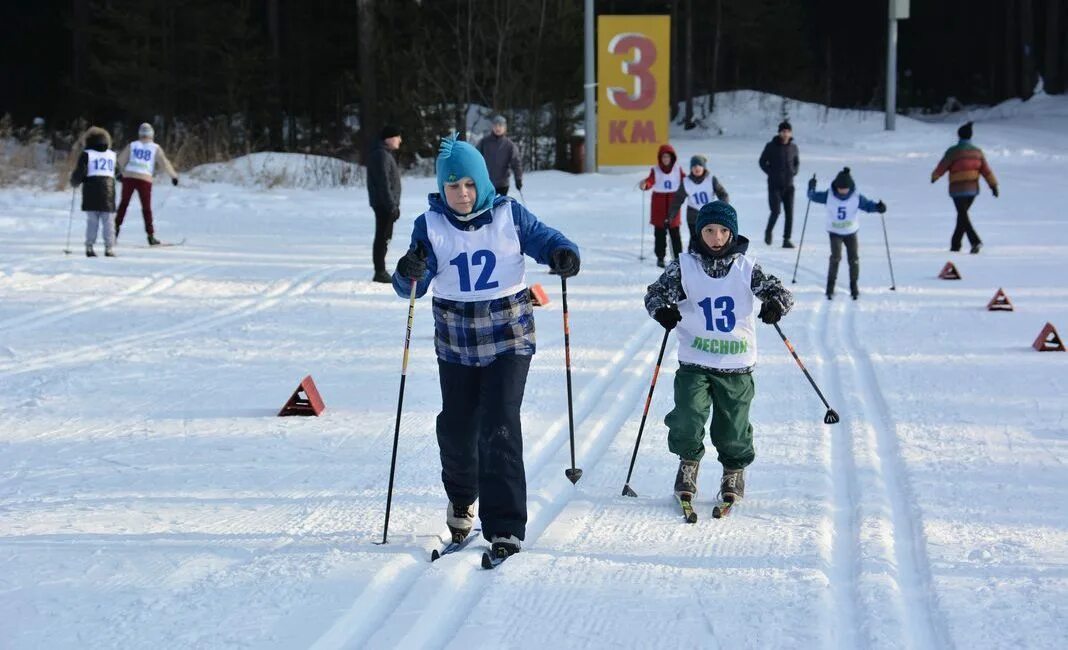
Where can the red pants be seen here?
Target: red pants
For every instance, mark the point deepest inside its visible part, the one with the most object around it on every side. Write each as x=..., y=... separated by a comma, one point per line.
x=144, y=194
x=658, y=216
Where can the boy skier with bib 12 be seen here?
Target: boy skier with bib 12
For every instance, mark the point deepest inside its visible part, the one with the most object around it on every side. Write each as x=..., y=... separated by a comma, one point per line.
x=708, y=297
x=842, y=202
x=469, y=247
x=138, y=164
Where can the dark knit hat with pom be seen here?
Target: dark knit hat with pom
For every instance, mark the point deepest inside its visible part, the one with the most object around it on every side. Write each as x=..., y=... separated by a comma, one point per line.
x=843, y=180
x=965, y=132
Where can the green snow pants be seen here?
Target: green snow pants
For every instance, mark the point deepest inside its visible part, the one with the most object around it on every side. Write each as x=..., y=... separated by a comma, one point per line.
x=728, y=396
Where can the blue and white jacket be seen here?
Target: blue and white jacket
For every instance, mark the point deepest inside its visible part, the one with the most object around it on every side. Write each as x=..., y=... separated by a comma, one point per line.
x=475, y=333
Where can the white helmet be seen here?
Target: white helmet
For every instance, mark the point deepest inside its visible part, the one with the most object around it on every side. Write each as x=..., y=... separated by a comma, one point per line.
x=146, y=131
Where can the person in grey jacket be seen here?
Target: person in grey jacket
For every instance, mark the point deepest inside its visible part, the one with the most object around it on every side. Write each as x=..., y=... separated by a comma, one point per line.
x=501, y=155
x=384, y=193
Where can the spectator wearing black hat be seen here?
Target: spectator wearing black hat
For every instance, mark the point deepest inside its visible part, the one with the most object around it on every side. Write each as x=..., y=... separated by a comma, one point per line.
x=384, y=192
x=965, y=163
x=780, y=161
x=501, y=155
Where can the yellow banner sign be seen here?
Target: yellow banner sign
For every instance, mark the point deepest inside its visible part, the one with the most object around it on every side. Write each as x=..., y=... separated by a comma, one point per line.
x=633, y=77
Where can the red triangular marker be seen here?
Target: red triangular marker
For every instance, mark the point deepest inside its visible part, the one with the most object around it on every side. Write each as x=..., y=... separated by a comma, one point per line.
x=305, y=400
x=1000, y=302
x=1048, y=340
x=949, y=272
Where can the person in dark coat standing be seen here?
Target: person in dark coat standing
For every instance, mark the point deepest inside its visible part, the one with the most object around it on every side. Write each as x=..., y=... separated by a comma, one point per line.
x=384, y=193
x=780, y=161
x=965, y=163
x=501, y=155
x=96, y=173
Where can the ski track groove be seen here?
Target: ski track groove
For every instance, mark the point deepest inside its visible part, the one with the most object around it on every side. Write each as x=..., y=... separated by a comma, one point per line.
x=150, y=286
x=844, y=561
x=462, y=576
x=925, y=624
x=274, y=293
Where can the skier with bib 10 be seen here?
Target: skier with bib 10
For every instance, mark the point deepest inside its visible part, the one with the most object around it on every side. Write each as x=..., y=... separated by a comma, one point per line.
x=707, y=296
x=469, y=247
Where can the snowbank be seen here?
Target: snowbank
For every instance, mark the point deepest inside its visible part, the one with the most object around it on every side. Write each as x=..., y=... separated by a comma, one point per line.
x=274, y=169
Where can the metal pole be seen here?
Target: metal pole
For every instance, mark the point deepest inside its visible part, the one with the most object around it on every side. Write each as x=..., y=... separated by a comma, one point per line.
x=891, y=66
x=590, y=164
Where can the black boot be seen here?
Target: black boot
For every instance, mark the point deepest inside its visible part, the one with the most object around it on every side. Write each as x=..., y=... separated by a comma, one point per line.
x=89, y=251
x=732, y=485
x=686, y=479
x=383, y=277
x=152, y=241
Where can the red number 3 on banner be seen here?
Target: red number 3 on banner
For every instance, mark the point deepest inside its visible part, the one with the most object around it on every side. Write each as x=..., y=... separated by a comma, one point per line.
x=644, y=56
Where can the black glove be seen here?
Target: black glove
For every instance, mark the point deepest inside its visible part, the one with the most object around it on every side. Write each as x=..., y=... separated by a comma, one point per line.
x=396, y=213
x=174, y=182
x=994, y=191
x=770, y=312
x=519, y=184
x=812, y=184
x=118, y=176
x=668, y=317
x=880, y=207
x=413, y=264
x=564, y=262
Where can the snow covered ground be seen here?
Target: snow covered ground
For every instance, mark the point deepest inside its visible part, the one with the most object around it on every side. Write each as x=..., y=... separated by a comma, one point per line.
x=149, y=498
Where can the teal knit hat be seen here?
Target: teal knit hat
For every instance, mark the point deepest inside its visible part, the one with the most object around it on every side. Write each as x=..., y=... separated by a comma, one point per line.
x=458, y=159
x=720, y=213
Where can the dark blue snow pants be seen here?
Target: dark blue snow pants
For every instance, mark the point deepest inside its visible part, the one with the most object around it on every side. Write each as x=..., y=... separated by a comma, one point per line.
x=481, y=441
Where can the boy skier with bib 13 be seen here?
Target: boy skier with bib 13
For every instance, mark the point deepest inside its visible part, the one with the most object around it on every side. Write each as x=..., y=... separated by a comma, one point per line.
x=707, y=296
x=138, y=164
x=842, y=225
x=469, y=245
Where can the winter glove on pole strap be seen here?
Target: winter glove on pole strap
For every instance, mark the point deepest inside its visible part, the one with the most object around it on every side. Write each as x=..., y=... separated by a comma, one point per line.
x=812, y=183
x=770, y=312
x=994, y=191
x=413, y=264
x=565, y=262
x=668, y=317
x=174, y=182
x=880, y=207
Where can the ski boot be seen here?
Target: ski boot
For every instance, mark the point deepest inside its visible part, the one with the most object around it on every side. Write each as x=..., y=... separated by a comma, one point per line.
x=89, y=251
x=686, y=479
x=109, y=252
x=786, y=243
x=502, y=546
x=732, y=485
x=660, y=262
x=383, y=277
x=460, y=520
x=975, y=248
x=152, y=241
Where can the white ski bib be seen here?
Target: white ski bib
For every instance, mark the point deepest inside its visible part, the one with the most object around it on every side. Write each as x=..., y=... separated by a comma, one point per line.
x=478, y=264
x=668, y=182
x=698, y=194
x=142, y=158
x=101, y=163
x=717, y=329
x=842, y=214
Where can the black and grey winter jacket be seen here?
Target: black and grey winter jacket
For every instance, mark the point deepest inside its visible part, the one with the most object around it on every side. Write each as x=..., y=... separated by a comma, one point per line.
x=98, y=192
x=501, y=155
x=383, y=180
x=780, y=162
x=667, y=290
x=681, y=195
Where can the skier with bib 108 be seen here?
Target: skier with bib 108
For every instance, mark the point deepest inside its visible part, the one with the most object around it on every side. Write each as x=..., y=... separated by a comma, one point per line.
x=842, y=202
x=469, y=247
x=138, y=164
x=707, y=296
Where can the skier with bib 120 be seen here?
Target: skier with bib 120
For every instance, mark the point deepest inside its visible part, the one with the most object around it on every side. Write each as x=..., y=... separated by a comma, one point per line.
x=707, y=297
x=468, y=247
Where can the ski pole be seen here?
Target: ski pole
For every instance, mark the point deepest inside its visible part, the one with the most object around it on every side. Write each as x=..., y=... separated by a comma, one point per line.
x=802, y=242
x=641, y=254
x=893, y=285
x=627, y=491
x=70, y=221
x=573, y=474
x=831, y=417
x=400, y=404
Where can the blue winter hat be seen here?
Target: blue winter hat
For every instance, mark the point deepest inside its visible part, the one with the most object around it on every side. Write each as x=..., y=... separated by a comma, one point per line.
x=458, y=159
x=720, y=213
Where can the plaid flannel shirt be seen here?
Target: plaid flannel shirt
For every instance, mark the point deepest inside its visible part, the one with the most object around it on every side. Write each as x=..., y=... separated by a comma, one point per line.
x=475, y=333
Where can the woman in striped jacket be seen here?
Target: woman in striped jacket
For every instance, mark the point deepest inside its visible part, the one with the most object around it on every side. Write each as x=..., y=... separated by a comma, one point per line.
x=965, y=163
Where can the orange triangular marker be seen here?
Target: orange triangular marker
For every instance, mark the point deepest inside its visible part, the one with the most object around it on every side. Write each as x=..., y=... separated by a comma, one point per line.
x=538, y=296
x=1000, y=302
x=305, y=400
x=1048, y=340
x=949, y=272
